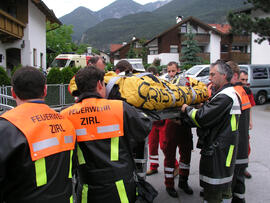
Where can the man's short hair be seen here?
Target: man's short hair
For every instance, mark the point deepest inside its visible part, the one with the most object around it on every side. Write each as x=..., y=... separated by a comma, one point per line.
x=93, y=60
x=173, y=63
x=124, y=65
x=28, y=83
x=86, y=79
x=244, y=72
x=234, y=66
x=153, y=70
x=223, y=68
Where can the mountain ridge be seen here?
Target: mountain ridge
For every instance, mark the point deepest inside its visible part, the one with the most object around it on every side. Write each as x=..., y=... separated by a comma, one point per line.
x=117, y=9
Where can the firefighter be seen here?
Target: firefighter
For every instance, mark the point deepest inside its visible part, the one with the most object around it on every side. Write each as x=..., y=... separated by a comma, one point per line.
x=218, y=137
x=177, y=134
x=107, y=131
x=36, y=145
x=238, y=184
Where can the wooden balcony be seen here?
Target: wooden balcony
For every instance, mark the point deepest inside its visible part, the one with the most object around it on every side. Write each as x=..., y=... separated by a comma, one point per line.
x=240, y=57
x=241, y=39
x=199, y=37
x=225, y=56
x=204, y=56
x=236, y=56
x=10, y=28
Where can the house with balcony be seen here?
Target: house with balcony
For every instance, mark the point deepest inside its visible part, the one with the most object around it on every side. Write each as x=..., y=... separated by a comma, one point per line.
x=23, y=33
x=214, y=40
x=259, y=52
x=120, y=51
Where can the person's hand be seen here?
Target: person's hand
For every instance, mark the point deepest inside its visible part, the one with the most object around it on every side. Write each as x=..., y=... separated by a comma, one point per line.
x=250, y=125
x=183, y=109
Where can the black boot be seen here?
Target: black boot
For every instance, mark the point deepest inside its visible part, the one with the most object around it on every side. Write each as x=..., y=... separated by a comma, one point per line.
x=183, y=184
x=238, y=200
x=172, y=192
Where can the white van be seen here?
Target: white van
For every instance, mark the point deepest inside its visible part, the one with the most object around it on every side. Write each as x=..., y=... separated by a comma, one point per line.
x=259, y=80
x=70, y=60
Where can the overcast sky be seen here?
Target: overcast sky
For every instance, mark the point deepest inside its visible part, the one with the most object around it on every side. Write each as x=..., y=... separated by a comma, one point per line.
x=62, y=7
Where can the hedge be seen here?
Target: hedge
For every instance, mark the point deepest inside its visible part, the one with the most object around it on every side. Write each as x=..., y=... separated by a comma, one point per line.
x=4, y=79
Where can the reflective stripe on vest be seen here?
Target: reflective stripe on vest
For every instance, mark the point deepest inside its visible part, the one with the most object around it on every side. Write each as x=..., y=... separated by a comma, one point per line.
x=244, y=97
x=122, y=191
x=96, y=119
x=46, y=131
x=41, y=174
x=215, y=181
x=85, y=193
x=229, y=156
x=241, y=161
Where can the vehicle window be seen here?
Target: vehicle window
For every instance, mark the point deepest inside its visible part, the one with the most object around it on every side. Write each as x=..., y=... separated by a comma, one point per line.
x=59, y=63
x=260, y=73
x=72, y=64
x=204, y=72
x=193, y=70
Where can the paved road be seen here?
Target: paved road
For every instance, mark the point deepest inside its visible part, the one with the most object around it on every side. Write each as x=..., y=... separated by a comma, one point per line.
x=258, y=188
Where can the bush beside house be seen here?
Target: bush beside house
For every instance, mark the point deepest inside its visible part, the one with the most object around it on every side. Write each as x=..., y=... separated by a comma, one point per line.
x=4, y=79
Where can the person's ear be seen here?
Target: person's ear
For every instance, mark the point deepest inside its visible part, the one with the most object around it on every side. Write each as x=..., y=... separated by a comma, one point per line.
x=13, y=93
x=45, y=91
x=99, y=85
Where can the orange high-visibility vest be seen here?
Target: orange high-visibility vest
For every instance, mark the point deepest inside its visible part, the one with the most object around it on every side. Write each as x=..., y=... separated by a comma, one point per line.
x=47, y=132
x=244, y=97
x=96, y=119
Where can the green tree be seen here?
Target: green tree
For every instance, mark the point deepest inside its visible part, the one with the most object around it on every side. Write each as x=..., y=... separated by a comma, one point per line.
x=4, y=79
x=131, y=53
x=245, y=23
x=190, y=51
x=59, y=40
x=143, y=51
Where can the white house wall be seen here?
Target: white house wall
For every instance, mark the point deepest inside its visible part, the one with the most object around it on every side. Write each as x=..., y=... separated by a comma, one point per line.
x=214, y=47
x=37, y=35
x=260, y=53
x=164, y=57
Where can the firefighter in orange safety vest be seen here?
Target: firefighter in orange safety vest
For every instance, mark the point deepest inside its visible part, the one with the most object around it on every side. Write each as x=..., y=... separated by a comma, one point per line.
x=241, y=163
x=107, y=131
x=36, y=145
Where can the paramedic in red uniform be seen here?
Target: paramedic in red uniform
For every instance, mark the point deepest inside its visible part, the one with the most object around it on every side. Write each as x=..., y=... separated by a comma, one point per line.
x=177, y=134
x=36, y=145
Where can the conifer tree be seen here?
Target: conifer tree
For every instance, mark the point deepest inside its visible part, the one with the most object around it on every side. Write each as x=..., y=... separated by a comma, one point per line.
x=190, y=50
x=244, y=23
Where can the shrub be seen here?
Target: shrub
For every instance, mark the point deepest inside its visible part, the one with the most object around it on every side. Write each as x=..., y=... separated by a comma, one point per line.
x=4, y=79
x=75, y=70
x=15, y=68
x=67, y=74
x=186, y=66
x=55, y=76
x=109, y=67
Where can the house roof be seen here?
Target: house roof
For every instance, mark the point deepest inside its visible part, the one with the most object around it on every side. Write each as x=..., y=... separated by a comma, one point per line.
x=47, y=12
x=189, y=19
x=114, y=47
x=224, y=28
x=122, y=46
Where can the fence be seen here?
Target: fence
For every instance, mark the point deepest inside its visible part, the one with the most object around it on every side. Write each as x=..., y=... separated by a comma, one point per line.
x=57, y=97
